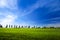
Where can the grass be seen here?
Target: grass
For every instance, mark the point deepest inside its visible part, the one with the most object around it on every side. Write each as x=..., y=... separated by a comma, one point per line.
x=29, y=34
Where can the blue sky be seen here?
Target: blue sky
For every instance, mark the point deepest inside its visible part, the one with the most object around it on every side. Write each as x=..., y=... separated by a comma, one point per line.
x=30, y=12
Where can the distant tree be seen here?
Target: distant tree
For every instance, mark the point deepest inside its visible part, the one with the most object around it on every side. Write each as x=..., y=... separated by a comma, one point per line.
x=0, y=26
x=6, y=26
x=11, y=26
x=25, y=26
x=38, y=27
x=14, y=26
x=58, y=27
x=28, y=26
x=21, y=26
x=44, y=27
x=52, y=27
x=34, y=27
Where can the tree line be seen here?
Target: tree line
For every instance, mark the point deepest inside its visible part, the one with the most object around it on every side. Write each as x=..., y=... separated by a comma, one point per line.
x=18, y=26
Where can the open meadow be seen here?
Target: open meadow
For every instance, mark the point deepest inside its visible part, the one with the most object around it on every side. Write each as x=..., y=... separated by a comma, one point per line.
x=29, y=34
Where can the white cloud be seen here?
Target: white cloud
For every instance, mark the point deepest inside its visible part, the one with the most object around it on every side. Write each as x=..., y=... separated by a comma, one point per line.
x=56, y=18
x=2, y=3
x=8, y=19
x=53, y=25
x=8, y=11
x=52, y=5
x=11, y=4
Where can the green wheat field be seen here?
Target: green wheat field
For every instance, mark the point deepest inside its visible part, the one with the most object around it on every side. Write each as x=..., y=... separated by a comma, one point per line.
x=29, y=34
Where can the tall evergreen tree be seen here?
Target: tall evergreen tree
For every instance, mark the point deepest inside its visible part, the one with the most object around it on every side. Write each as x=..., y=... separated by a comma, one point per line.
x=0, y=26
x=6, y=26
x=34, y=27
x=19, y=26
x=28, y=26
x=14, y=26
x=9, y=26
x=25, y=26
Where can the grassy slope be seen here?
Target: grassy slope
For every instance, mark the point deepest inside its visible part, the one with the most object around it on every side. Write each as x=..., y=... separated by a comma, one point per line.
x=29, y=34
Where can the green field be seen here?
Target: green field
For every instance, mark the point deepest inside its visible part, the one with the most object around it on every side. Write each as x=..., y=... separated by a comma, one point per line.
x=29, y=34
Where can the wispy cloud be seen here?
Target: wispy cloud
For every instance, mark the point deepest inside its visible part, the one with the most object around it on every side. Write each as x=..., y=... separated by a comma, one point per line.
x=8, y=19
x=8, y=11
x=52, y=5
x=56, y=18
x=53, y=25
x=11, y=4
x=31, y=8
